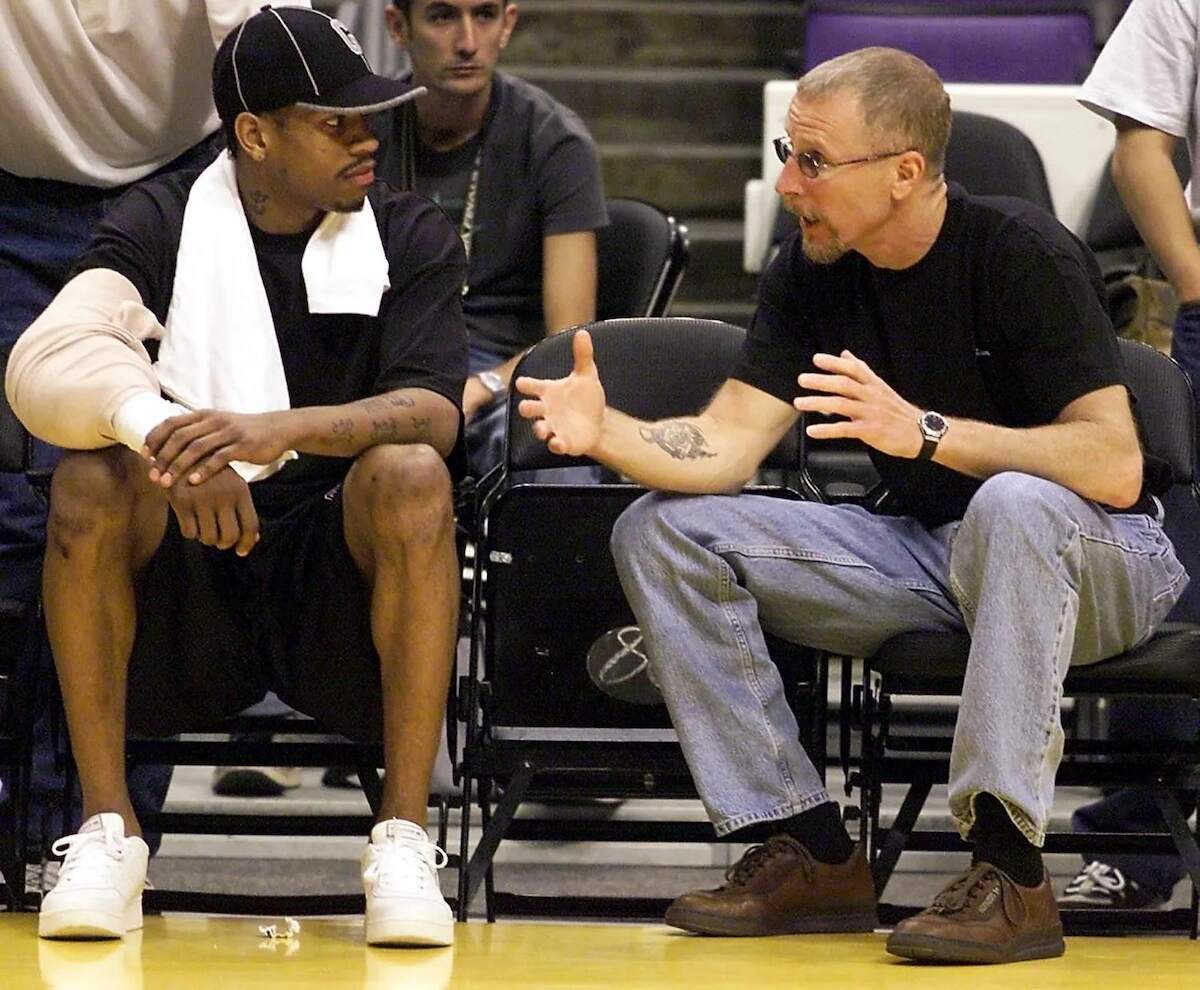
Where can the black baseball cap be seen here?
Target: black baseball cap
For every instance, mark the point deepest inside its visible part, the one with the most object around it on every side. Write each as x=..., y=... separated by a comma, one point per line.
x=292, y=55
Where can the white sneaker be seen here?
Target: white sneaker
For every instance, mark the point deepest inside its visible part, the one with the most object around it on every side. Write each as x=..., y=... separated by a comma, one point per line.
x=99, y=888
x=404, y=902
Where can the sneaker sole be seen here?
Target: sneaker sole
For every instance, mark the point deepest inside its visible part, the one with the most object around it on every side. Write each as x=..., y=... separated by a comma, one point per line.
x=88, y=923
x=930, y=948
x=409, y=932
x=709, y=924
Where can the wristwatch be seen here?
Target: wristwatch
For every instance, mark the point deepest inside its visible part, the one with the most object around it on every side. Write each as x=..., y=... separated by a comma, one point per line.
x=493, y=383
x=933, y=427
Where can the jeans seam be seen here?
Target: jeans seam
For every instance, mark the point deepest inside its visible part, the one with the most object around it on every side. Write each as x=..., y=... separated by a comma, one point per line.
x=746, y=662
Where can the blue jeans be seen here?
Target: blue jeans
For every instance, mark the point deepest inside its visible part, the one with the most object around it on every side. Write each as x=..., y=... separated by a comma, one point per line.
x=1185, y=342
x=1039, y=577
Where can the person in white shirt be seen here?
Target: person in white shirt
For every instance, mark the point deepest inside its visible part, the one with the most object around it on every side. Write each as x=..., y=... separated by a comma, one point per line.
x=1145, y=82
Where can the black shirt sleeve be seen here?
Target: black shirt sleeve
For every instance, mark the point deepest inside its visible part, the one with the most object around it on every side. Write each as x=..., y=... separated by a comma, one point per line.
x=423, y=340
x=781, y=340
x=1051, y=325
x=139, y=238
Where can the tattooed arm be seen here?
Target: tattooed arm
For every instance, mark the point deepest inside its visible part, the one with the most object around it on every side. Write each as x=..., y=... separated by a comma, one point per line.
x=717, y=450
x=201, y=443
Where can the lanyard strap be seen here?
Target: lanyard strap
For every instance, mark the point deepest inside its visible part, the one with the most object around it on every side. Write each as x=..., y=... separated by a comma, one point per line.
x=466, y=228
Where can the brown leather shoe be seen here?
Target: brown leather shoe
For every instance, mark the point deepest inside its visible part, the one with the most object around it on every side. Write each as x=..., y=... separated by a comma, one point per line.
x=983, y=917
x=777, y=889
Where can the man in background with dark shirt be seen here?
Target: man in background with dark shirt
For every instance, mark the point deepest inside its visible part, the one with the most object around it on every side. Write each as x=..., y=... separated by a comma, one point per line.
x=965, y=341
x=516, y=171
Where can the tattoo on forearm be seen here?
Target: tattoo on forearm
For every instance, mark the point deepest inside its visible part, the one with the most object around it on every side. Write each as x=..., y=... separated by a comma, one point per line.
x=423, y=427
x=383, y=430
x=343, y=432
x=681, y=440
x=382, y=403
x=256, y=202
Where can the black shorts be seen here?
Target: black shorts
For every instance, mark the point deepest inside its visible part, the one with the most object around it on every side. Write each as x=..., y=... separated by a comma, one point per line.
x=216, y=631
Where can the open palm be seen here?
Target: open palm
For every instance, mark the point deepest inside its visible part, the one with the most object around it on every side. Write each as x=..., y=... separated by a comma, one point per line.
x=567, y=413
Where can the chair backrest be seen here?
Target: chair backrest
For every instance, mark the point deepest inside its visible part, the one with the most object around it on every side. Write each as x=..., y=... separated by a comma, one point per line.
x=1109, y=225
x=991, y=157
x=1166, y=407
x=641, y=257
x=651, y=368
x=1026, y=41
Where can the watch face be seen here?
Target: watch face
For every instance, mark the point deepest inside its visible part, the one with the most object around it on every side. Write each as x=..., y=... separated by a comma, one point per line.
x=933, y=422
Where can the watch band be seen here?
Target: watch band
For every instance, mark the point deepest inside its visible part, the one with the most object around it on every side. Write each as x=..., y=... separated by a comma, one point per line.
x=493, y=383
x=928, y=446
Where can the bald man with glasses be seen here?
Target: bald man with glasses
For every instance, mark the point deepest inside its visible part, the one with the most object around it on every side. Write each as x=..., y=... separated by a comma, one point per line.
x=966, y=342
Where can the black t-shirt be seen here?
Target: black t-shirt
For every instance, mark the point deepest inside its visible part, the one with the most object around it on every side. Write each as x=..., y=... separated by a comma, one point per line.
x=539, y=174
x=418, y=340
x=1004, y=321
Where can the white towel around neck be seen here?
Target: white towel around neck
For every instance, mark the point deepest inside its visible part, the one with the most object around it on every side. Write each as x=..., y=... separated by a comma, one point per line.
x=219, y=349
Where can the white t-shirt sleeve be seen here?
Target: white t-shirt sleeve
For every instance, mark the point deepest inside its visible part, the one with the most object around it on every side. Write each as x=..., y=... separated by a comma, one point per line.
x=1147, y=70
x=225, y=15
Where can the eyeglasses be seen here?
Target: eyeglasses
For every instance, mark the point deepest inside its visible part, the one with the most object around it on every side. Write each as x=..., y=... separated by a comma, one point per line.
x=813, y=167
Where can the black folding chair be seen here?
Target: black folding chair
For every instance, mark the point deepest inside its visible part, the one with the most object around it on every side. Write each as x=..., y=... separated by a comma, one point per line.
x=640, y=259
x=916, y=756
x=557, y=687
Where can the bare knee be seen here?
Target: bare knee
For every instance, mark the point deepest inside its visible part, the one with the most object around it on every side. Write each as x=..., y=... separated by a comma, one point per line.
x=94, y=493
x=401, y=489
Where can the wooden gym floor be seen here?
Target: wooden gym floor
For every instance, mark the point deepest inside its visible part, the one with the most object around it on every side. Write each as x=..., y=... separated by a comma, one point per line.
x=180, y=952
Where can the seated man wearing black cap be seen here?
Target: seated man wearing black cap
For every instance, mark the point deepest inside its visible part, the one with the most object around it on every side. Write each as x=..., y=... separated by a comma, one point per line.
x=267, y=505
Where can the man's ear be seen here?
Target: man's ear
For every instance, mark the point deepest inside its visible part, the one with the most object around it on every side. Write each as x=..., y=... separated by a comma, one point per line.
x=910, y=170
x=510, y=22
x=250, y=134
x=397, y=24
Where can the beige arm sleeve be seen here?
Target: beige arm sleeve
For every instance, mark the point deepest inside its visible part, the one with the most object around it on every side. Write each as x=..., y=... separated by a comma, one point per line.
x=82, y=359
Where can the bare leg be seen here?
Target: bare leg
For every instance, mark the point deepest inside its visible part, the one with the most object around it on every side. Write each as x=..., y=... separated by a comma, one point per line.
x=105, y=523
x=399, y=526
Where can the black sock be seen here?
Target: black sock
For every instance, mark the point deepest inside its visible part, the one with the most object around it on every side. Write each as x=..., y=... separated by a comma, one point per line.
x=820, y=831
x=998, y=841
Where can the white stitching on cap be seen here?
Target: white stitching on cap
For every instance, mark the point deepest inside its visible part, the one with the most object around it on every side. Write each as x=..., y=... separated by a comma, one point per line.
x=237, y=78
x=295, y=44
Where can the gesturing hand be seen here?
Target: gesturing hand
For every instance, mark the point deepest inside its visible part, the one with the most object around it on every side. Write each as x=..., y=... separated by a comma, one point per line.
x=874, y=413
x=218, y=512
x=200, y=444
x=567, y=413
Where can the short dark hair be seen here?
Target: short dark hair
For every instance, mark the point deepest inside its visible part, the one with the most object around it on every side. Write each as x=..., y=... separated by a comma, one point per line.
x=404, y=6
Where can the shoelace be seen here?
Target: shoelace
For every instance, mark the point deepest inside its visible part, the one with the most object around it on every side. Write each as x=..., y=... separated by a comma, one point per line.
x=406, y=861
x=1098, y=876
x=965, y=891
x=756, y=857
x=86, y=852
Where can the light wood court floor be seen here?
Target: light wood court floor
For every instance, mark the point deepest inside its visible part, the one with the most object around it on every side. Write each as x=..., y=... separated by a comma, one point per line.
x=180, y=952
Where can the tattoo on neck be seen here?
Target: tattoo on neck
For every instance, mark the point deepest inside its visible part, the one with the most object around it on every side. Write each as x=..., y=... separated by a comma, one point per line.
x=256, y=202
x=682, y=441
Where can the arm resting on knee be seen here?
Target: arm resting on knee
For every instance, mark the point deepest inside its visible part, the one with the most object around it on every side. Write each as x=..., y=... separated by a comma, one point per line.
x=82, y=362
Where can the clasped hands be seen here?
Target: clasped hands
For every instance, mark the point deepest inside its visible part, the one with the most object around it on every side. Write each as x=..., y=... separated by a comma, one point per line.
x=189, y=457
